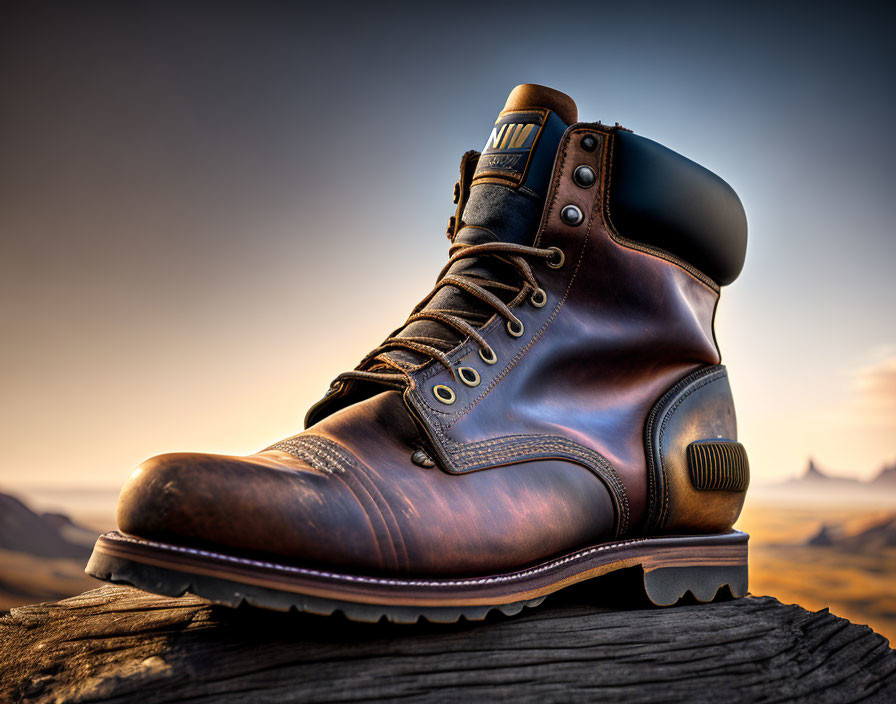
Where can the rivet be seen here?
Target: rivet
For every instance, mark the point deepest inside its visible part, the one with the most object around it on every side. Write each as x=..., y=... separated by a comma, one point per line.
x=584, y=176
x=572, y=215
x=421, y=459
x=589, y=143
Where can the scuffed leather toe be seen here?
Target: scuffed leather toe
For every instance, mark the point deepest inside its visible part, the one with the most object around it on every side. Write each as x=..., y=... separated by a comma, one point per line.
x=267, y=504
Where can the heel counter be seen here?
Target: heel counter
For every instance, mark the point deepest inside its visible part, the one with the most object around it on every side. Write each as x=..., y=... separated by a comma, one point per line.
x=698, y=473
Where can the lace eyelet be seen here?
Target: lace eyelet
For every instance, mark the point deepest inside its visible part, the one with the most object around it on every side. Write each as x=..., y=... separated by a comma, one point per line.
x=516, y=328
x=469, y=376
x=444, y=394
x=558, y=260
x=492, y=357
x=538, y=298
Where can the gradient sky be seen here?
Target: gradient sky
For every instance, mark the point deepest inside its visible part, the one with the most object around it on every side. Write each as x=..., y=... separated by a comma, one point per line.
x=208, y=210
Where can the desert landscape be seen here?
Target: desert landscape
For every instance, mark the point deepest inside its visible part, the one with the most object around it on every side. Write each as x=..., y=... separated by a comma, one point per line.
x=825, y=541
x=817, y=540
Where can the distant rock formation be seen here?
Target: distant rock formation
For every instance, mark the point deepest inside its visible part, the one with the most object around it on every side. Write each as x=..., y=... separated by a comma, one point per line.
x=823, y=538
x=813, y=473
x=886, y=477
x=42, y=535
x=874, y=535
x=817, y=481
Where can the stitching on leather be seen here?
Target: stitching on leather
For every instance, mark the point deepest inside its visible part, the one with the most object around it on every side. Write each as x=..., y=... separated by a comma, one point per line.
x=461, y=457
x=490, y=326
x=328, y=456
x=659, y=407
x=486, y=453
x=538, y=335
x=321, y=453
x=693, y=386
x=378, y=580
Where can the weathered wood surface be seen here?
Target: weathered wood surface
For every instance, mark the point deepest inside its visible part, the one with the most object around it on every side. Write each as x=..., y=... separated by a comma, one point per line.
x=116, y=644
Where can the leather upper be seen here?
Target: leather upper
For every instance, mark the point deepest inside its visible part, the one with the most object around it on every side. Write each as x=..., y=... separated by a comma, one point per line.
x=545, y=455
x=620, y=327
x=380, y=513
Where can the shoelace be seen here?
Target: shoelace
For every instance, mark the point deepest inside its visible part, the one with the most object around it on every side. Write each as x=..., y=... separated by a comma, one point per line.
x=464, y=322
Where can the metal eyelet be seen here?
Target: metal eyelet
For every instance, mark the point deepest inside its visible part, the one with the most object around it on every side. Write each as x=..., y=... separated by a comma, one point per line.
x=445, y=394
x=572, y=215
x=538, y=298
x=559, y=258
x=492, y=357
x=516, y=328
x=584, y=176
x=469, y=376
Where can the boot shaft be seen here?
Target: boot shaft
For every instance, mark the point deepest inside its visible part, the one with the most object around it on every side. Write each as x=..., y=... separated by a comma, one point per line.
x=624, y=313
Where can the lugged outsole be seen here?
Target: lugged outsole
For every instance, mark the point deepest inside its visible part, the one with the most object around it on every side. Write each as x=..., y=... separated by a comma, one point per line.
x=160, y=580
x=668, y=585
x=668, y=569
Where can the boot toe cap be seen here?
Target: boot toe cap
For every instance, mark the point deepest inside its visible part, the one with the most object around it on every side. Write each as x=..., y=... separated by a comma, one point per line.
x=265, y=504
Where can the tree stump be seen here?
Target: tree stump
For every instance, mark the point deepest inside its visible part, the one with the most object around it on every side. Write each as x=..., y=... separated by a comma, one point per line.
x=118, y=644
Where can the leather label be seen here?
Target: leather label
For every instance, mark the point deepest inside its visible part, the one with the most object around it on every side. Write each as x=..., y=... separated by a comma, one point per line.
x=508, y=150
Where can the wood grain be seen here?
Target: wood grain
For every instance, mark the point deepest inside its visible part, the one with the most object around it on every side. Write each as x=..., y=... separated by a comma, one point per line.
x=117, y=644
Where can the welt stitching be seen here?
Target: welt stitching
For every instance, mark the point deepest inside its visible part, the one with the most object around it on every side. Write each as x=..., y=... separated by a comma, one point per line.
x=378, y=580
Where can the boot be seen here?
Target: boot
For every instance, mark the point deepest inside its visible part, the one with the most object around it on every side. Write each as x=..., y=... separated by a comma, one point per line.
x=554, y=410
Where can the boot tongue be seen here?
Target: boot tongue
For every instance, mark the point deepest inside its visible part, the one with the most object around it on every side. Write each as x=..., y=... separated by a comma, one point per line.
x=513, y=174
x=506, y=200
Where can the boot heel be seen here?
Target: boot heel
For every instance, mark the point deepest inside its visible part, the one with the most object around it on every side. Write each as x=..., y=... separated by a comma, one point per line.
x=664, y=586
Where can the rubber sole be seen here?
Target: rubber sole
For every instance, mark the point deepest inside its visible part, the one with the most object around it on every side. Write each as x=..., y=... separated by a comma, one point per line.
x=672, y=567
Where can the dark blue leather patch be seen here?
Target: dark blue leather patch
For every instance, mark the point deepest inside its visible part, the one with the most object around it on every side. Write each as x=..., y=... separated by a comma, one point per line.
x=508, y=150
x=520, y=150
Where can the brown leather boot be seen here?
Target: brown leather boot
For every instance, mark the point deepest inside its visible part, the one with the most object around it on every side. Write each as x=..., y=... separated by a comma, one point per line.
x=553, y=411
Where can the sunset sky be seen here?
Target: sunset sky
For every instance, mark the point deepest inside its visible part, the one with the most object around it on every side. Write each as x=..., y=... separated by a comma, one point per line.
x=208, y=210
